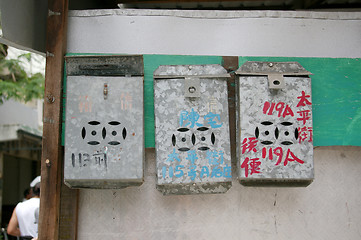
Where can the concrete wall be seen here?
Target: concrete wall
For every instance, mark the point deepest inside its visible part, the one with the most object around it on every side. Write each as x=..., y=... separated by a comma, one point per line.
x=13, y=112
x=330, y=208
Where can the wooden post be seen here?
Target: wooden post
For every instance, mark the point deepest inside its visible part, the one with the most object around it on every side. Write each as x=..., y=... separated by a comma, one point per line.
x=52, y=153
x=1, y=181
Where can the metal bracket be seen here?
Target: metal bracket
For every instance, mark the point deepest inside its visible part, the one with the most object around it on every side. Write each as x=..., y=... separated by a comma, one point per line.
x=52, y=13
x=276, y=81
x=192, y=87
x=275, y=71
x=49, y=54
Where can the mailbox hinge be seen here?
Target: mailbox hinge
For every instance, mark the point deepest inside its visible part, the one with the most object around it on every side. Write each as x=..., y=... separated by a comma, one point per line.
x=192, y=75
x=275, y=71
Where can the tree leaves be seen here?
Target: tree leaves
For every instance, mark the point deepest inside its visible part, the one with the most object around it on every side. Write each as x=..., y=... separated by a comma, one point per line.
x=15, y=82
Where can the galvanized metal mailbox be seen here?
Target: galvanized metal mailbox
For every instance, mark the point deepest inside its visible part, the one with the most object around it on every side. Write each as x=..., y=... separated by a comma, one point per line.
x=192, y=129
x=275, y=145
x=104, y=140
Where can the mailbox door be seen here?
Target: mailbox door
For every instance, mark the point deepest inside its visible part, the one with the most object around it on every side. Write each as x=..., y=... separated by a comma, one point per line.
x=192, y=130
x=104, y=131
x=275, y=145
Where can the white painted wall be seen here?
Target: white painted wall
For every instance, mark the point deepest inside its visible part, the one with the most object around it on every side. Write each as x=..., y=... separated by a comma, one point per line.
x=13, y=112
x=221, y=33
x=15, y=115
x=330, y=208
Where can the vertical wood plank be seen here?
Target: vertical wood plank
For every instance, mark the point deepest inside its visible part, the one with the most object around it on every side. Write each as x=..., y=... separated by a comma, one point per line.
x=68, y=213
x=1, y=181
x=52, y=154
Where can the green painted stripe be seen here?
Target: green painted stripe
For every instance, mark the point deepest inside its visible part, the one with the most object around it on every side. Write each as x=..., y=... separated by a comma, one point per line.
x=336, y=94
x=336, y=97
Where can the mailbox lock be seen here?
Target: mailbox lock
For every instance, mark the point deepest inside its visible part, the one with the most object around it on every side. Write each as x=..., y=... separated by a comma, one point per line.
x=276, y=82
x=105, y=91
x=192, y=87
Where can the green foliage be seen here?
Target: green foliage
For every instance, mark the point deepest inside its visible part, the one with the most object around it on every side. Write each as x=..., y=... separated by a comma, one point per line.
x=15, y=83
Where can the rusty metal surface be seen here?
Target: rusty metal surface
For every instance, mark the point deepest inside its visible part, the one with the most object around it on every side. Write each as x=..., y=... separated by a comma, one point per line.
x=275, y=145
x=104, y=65
x=104, y=139
x=192, y=133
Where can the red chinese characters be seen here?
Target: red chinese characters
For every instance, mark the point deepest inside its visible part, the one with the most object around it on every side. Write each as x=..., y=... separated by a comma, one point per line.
x=281, y=148
x=249, y=144
x=303, y=100
x=251, y=165
x=305, y=132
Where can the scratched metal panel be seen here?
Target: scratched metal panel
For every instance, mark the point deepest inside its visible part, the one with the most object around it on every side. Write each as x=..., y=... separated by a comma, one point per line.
x=192, y=133
x=275, y=145
x=104, y=140
x=105, y=65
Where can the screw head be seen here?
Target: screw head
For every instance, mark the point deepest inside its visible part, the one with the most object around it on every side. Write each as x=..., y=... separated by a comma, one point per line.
x=270, y=64
x=47, y=162
x=192, y=89
x=50, y=98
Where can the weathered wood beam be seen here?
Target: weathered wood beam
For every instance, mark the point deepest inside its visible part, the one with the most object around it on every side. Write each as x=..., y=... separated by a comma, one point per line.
x=180, y=1
x=52, y=153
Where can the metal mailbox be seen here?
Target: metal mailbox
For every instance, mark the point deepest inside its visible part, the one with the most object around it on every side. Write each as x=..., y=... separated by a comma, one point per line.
x=104, y=139
x=192, y=129
x=275, y=140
